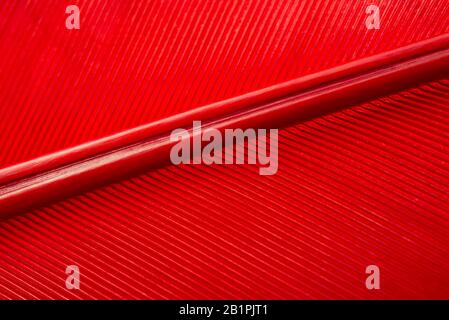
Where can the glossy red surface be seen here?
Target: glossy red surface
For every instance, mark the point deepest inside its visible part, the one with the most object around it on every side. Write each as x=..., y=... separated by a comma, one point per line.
x=364, y=185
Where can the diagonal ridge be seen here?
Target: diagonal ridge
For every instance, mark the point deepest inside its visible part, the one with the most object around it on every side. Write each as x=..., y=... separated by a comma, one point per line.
x=73, y=170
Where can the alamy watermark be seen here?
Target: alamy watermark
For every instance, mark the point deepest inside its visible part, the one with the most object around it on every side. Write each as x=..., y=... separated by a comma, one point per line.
x=373, y=19
x=73, y=277
x=373, y=279
x=208, y=146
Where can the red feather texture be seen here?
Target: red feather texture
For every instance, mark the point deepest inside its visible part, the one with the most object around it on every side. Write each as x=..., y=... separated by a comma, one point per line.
x=365, y=185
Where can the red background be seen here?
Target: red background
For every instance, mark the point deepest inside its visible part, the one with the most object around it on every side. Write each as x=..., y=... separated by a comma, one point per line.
x=367, y=185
